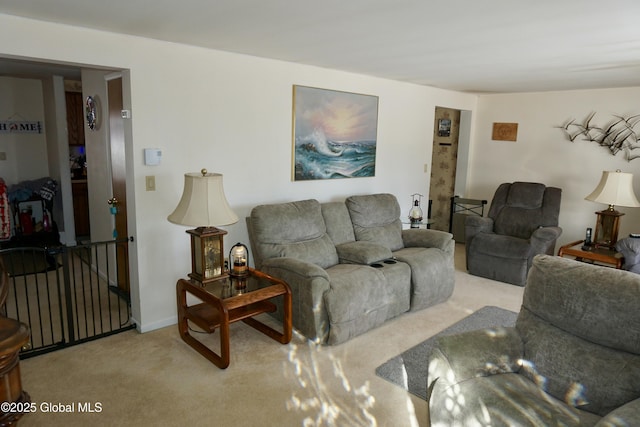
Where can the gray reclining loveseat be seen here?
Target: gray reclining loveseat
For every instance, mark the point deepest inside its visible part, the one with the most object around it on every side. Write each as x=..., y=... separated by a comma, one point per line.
x=349, y=264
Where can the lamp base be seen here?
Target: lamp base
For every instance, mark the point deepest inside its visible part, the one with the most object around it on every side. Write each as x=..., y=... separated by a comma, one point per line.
x=607, y=227
x=207, y=254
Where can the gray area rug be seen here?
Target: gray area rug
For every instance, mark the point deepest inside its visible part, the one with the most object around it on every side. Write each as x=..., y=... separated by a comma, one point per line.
x=409, y=369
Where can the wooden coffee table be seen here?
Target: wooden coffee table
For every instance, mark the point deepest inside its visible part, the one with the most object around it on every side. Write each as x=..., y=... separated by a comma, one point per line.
x=226, y=301
x=594, y=254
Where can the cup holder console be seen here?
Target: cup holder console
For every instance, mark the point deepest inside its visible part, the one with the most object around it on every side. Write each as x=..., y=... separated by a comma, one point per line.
x=380, y=264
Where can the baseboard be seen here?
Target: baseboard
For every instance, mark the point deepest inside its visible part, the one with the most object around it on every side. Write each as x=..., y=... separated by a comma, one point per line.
x=148, y=327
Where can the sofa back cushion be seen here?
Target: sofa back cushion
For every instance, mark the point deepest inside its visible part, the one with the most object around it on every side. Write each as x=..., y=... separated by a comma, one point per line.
x=519, y=208
x=296, y=230
x=581, y=333
x=376, y=218
x=338, y=222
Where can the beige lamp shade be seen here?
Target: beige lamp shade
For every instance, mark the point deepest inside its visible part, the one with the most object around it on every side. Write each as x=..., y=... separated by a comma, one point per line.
x=203, y=202
x=615, y=189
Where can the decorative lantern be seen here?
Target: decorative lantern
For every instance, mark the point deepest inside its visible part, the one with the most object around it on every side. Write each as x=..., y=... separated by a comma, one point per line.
x=415, y=214
x=238, y=260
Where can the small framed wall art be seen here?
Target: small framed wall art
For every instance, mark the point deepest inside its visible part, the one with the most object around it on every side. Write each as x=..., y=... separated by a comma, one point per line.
x=444, y=127
x=505, y=132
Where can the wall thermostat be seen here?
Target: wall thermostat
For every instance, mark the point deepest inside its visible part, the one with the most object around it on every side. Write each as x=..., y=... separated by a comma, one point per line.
x=152, y=156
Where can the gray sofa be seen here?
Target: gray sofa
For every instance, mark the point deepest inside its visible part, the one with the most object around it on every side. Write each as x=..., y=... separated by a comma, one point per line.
x=349, y=264
x=572, y=359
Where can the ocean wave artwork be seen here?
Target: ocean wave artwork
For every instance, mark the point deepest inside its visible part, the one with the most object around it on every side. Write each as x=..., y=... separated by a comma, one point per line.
x=334, y=134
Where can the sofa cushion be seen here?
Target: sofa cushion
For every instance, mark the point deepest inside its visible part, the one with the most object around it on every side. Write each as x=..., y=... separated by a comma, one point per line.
x=357, y=301
x=499, y=246
x=432, y=275
x=521, y=207
x=295, y=230
x=573, y=347
x=376, y=218
x=575, y=297
x=338, y=222
x=585, y=375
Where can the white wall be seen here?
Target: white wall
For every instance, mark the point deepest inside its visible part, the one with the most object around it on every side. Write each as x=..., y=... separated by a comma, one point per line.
x=22, y=100
x=230, y=114
x=543, y=154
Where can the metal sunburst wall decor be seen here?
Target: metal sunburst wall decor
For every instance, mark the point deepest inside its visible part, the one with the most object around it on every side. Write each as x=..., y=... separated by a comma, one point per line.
x=618, y=134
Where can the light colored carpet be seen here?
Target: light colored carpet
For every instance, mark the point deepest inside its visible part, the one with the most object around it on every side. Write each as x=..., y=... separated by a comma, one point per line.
x=156, y=379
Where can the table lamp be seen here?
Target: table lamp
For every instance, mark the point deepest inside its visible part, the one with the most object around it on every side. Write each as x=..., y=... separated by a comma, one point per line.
x=614, y=188
x=204, y=205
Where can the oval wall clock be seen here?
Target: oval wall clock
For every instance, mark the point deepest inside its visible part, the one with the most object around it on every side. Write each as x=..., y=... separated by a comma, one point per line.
x=92, y=113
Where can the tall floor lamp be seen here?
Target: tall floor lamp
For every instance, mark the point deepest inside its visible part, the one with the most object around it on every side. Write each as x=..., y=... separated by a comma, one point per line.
x=614, y=189
x=204, y=205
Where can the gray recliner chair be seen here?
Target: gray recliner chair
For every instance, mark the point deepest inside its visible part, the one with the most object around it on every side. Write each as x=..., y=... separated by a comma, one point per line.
x=522, y=222
x=572, y=359
x=630, y=250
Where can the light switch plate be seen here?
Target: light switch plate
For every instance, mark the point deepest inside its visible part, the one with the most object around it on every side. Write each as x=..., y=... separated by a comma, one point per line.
x=150, y=182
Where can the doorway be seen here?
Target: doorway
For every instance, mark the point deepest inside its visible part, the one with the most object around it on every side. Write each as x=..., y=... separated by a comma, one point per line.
x=66, y=140
x=444, y=161
x=98, y=172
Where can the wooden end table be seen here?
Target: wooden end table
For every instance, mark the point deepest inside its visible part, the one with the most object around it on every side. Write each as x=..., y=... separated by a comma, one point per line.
x=226, y=301
x=594, y=254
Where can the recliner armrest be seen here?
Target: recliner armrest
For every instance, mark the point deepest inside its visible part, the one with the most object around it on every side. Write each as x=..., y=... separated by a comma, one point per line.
x=542, y=239
x=362, y=252
x=630, y=249
x=308, y=282
x=474, y=224
x=626, y=415
x=426, y=238
x=298, y=267
x=546, y=234
x=472, y=354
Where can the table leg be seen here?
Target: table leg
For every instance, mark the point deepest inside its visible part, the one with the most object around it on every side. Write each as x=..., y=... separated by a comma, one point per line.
x=285, y=336
x=222, y=360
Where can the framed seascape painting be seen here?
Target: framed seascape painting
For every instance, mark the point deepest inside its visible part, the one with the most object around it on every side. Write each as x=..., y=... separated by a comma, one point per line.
x=334, y=134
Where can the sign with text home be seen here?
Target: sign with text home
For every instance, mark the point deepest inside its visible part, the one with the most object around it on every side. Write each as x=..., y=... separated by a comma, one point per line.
x=12, y=126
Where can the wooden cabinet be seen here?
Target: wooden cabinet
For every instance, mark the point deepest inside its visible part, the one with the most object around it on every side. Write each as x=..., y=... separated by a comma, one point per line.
x=81, y=207
x=13, y=335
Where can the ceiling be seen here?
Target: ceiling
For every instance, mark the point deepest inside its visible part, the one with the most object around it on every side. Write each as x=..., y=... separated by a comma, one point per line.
x=464, y=45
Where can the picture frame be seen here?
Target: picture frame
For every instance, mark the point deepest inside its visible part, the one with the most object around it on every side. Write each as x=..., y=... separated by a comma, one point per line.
x=505, y=132
x=444, y=127
x=334, y=134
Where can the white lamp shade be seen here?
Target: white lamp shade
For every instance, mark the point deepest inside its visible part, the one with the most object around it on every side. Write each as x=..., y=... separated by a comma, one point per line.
x=203, y=202
x=615, y=188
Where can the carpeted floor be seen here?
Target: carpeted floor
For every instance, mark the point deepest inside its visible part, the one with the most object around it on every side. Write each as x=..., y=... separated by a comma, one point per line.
x=409, y=369
x=154, y=378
